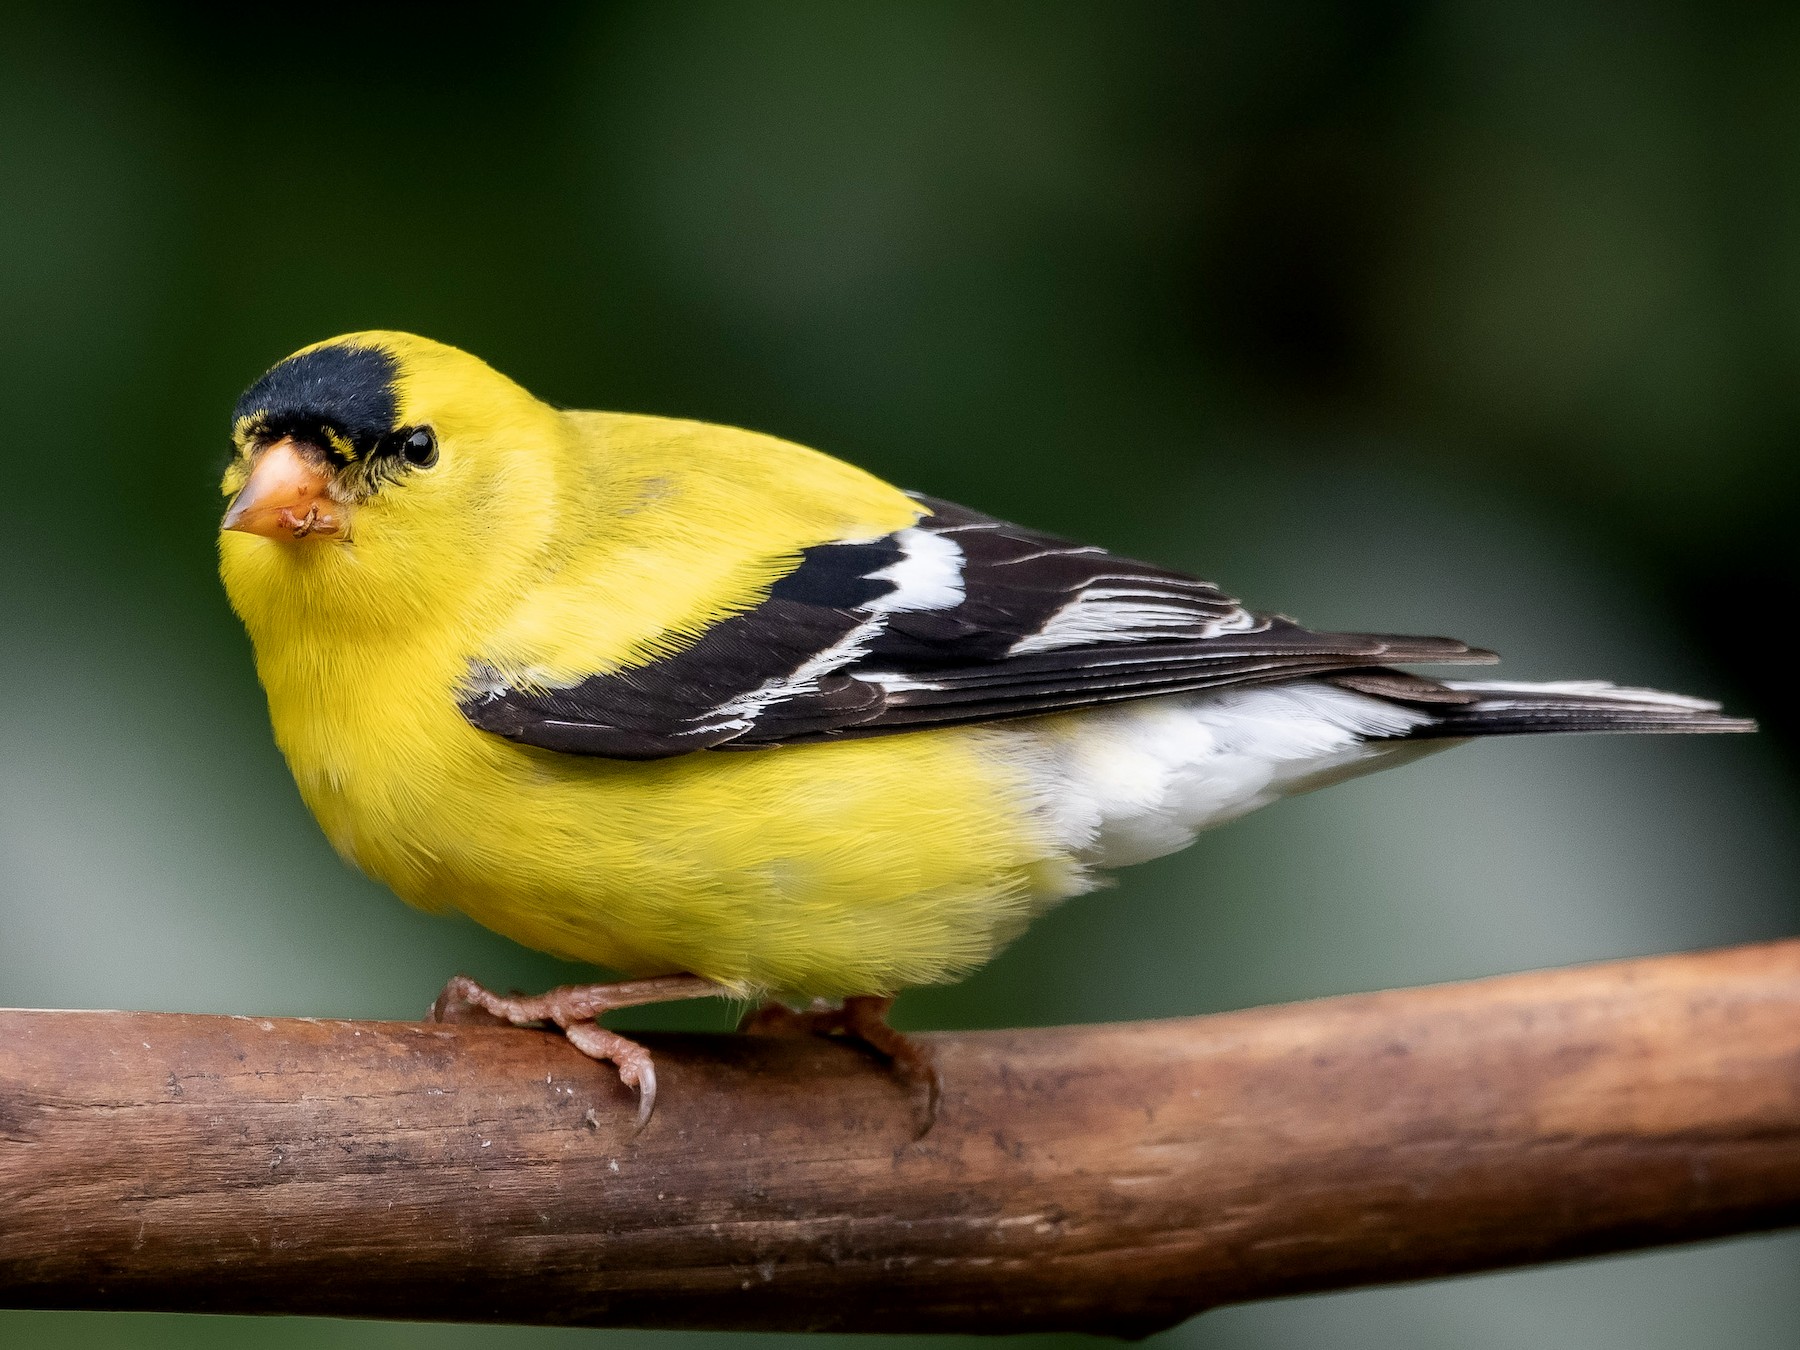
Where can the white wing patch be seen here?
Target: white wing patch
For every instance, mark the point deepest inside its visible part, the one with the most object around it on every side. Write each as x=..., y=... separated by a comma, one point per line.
x=1127, y=613
x=896, y=683
x=1494, y=693
x=927, y=575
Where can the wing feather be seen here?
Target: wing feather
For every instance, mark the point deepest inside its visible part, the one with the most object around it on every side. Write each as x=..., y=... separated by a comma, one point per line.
x=959, y=618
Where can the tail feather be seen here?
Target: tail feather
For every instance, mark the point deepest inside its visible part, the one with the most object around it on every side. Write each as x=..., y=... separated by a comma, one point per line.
x=1505, y=708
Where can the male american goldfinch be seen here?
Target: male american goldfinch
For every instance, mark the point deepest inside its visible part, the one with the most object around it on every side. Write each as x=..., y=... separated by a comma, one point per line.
x=734, y=717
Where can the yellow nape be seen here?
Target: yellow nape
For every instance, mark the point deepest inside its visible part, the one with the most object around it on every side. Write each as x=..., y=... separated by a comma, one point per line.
x=673, y=526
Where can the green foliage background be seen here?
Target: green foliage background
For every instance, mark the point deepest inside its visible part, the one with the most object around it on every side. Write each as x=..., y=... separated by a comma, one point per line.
x=1441, y=316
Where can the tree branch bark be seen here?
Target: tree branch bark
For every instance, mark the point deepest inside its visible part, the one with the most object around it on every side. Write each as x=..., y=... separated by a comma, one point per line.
x=1114, y=1179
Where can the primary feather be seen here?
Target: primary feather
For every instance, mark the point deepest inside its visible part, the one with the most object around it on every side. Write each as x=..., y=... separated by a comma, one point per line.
x=505, y=681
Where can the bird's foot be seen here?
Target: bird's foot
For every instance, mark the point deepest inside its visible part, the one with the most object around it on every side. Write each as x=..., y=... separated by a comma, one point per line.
x=862, y=1019
x=576, y=1008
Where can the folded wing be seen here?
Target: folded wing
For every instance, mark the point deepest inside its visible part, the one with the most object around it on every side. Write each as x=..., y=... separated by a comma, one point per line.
x=958, y=618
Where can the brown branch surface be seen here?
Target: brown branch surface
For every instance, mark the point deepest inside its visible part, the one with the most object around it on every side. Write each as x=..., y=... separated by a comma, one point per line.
x=1113, y=1178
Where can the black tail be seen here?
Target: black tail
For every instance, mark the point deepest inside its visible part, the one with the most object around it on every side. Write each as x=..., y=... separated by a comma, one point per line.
x=1500, y=708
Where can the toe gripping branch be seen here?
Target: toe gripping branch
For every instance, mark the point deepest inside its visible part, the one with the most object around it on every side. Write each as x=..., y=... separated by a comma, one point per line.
x=1111, y=1179
x=577, y=1008
x=861, y=1019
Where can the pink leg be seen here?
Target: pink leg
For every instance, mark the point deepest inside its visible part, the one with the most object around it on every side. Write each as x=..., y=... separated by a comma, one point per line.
x=575, y=1008
x=864, y=1019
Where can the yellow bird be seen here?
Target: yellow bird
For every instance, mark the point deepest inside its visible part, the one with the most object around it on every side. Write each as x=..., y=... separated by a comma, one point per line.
x=734, y=717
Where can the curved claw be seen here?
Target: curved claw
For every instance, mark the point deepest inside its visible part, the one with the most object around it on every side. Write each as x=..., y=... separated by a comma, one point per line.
x=646, y=1086
x=862, y=1018
x=574, y=1008
x=465, y=1001
x=636, y=1069
x=934, y=1093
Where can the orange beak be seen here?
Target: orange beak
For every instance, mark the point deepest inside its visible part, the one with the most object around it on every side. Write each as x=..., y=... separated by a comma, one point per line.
x=286, y=497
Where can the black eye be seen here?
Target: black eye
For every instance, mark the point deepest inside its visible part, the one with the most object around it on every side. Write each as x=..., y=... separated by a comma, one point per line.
x=420, y=448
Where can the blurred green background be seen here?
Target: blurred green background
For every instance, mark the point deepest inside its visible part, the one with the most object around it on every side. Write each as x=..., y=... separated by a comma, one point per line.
x=1446, y=317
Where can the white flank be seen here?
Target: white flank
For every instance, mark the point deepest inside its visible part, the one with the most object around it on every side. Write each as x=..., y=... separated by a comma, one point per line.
x=1138, y=780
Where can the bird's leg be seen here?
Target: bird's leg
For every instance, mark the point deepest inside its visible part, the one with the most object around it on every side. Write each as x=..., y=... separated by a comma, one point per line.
x=575, y=1008
x=864, y=1019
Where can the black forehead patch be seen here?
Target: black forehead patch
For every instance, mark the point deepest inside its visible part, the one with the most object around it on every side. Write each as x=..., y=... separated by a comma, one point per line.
x=344, y=388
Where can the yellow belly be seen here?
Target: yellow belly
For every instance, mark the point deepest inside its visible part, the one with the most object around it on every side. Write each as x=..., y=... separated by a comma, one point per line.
x=859, y=867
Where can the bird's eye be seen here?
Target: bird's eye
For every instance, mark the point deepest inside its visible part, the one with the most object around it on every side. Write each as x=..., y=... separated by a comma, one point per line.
x=420, y=448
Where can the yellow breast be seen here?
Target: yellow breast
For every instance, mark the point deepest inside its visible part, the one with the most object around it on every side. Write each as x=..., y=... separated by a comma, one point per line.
x=860, y=867
x=850, y=868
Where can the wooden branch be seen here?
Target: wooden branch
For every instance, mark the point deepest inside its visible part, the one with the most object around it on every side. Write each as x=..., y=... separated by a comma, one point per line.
x=1114, y=1179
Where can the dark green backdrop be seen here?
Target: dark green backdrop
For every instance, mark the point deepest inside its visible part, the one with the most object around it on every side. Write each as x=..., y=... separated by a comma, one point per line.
x=1447, y=317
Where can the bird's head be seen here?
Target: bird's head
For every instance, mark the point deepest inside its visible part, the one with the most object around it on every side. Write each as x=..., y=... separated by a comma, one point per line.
x=382, y=475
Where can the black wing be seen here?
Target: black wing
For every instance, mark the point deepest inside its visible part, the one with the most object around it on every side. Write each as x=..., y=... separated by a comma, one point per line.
x=959, y=618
